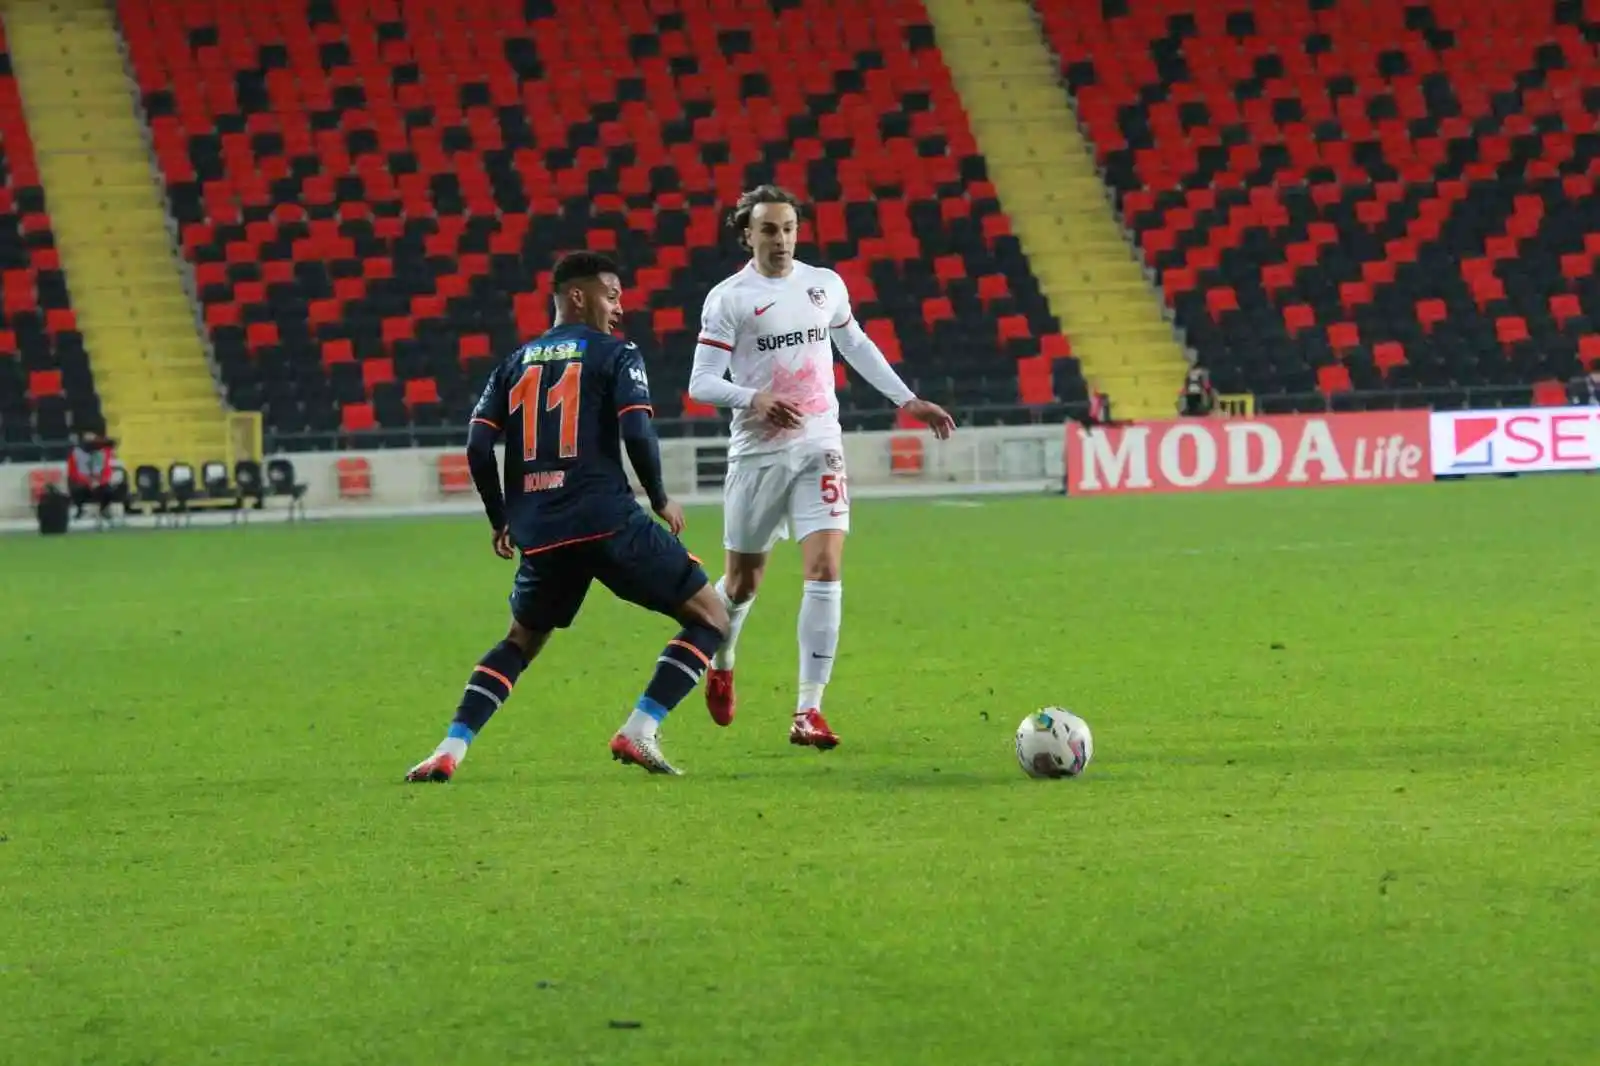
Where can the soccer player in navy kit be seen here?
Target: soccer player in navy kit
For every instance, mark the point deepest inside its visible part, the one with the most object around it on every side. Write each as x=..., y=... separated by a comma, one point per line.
x=566, y=406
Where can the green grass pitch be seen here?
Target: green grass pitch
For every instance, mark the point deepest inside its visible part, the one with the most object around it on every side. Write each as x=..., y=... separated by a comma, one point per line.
x=1342, y=808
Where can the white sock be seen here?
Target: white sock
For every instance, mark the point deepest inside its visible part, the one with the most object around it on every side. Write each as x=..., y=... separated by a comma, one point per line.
x=455, y=746
x=821, y=610
x=640, y=724
x=723, y=658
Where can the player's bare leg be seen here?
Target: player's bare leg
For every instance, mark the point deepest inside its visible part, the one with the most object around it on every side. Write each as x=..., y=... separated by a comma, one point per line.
x=737, y=589
x=487, y=689
x=821, y=611
x=678, y=670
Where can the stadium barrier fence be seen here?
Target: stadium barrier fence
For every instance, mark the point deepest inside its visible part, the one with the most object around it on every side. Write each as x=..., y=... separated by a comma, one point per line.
x=424, y=481
x=1171, y=455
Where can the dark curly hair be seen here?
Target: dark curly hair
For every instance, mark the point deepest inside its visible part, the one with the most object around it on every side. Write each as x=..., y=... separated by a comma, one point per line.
x=581, y=266
x=739, y=217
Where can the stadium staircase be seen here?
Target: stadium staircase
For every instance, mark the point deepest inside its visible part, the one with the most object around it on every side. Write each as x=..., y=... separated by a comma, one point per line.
x=1045, y=175
x=1361, y=204
x=137, y=319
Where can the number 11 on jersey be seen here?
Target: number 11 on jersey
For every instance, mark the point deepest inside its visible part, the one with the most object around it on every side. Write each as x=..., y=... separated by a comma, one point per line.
x=563, y=395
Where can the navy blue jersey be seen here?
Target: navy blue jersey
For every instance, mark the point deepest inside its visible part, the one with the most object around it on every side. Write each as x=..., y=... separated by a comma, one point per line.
x=556, y=402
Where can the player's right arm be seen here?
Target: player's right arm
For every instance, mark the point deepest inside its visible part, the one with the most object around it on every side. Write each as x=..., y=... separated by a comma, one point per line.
x=708, y=382
x=489, y=418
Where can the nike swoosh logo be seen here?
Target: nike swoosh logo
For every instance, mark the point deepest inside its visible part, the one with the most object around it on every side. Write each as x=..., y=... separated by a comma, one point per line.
x=814, y=655
x=764, y=310
x=837, y=514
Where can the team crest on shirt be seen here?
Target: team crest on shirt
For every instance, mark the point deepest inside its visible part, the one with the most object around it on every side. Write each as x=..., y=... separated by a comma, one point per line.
x=818, y=297
x=834, y=461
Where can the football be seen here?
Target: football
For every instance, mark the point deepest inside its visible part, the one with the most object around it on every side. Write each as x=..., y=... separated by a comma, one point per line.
x=1054, y=742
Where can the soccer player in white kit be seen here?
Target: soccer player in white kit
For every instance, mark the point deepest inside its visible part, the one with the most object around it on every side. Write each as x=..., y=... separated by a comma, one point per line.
x=775, y=324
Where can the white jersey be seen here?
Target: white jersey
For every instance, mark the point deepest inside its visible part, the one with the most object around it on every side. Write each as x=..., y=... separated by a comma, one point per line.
x=776, y=333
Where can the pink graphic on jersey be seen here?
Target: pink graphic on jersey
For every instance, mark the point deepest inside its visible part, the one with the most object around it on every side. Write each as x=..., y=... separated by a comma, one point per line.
x=806, y=388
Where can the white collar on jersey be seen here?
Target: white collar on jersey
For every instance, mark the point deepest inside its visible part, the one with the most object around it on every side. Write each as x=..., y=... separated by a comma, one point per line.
x=750, y=268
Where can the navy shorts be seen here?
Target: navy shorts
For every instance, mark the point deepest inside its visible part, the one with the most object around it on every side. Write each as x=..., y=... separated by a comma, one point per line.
x=641, y=563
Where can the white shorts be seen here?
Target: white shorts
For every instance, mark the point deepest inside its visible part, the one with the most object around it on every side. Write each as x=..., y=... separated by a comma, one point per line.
x=791, y=493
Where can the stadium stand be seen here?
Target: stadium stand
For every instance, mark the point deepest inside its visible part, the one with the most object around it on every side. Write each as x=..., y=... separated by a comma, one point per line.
x=47, y=391
x=371, y=194
x=1341, y=198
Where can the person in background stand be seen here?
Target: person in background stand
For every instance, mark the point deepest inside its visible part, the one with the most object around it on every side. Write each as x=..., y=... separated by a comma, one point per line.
x=89, y=471
x=1099, y=407
x=1585, y=391
x=1197, y=398
x=1098, y=412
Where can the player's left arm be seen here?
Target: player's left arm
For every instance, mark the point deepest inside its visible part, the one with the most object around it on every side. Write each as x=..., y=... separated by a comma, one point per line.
x=635, y=422
x=868, y=360
x=489, y=418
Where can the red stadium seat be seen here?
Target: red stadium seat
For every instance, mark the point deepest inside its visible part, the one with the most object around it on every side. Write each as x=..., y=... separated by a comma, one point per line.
x=421, y=391
x=1549, y=394
x=358, y=418
x=1333, y=378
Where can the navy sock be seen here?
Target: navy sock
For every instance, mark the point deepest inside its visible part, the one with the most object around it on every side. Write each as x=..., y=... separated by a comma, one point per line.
x=489, y=686
x=679, y=669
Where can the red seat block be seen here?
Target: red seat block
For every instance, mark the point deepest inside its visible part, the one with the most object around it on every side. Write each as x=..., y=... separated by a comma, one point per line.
x=1013, y=327
x=222, y=315
x=1431, y=312
x=938, y=309
x=1220, y=300
x=261, y=335
x=883, y=334
x=1298, y=317
x=1333, y=378
x=1577, y=265
x=693, y=408
x=42, y=383
x=357, y=417
x=1387, y=354
x=1055, y=346
x=377, y=372
x=1034, y=386
x=421, y=390
x=992, y=287
x=668, y=320
x=338, y=351
x=1511, y=329
x=1549, y=394
x=1354, y=294
x=1564, y=307
x=1589, y=349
